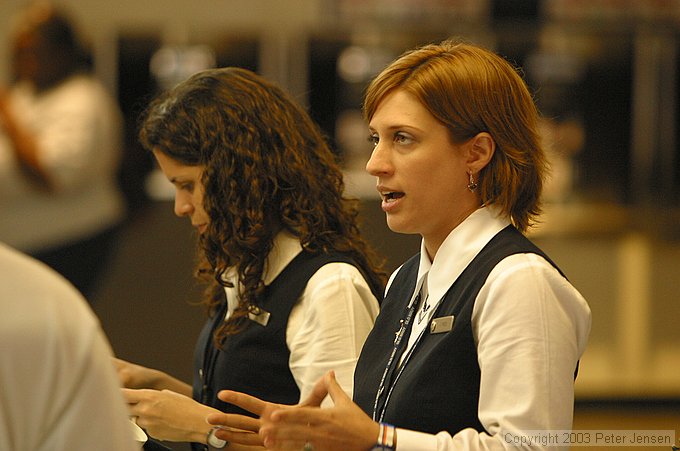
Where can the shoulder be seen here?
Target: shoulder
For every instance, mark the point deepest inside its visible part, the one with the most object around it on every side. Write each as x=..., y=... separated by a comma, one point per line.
x=526, y=267
x=527, y=282
x=42, y=300
x=336, y=284
x=335, y=273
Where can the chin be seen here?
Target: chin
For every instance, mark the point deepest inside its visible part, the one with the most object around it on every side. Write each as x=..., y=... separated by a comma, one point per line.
x=399, y=226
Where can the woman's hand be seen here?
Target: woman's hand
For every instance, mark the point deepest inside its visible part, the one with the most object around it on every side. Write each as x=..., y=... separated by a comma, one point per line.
x=236, y=428
x=166, y=415
x=137, y=376
x=242, y=429
x=343, y=427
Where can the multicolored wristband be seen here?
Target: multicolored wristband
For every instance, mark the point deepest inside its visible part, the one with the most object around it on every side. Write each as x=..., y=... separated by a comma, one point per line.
x=387, y=438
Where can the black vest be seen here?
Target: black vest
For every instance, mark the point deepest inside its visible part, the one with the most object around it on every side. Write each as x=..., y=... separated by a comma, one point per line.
x=438, y=389
x=255, y=361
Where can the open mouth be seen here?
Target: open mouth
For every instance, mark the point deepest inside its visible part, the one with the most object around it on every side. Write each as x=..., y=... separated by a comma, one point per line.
x=392, y=196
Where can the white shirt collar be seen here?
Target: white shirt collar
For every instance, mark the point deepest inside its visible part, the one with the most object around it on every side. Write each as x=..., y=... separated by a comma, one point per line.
x=458, y=249
x=286, y=248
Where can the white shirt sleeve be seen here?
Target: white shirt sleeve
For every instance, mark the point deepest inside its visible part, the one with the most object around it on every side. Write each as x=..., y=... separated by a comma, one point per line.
x=328, y=327
x=531, y=326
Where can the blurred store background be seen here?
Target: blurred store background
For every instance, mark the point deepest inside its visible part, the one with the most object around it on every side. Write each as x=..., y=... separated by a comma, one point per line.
x=606, y=76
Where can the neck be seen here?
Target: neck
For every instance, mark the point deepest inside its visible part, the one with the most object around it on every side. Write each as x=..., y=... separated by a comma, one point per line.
x=433, y=242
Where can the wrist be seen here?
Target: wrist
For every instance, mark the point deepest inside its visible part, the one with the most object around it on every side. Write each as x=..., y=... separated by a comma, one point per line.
x=212, y=441
x=158, y=380
x=387, y=438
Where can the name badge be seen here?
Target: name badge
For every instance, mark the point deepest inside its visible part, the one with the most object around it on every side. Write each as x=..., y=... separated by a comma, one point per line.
x=259, y=315
x=441, y=325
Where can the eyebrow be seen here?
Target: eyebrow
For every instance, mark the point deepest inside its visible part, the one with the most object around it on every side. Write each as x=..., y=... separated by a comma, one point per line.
x=177, y=180
x=397, y=127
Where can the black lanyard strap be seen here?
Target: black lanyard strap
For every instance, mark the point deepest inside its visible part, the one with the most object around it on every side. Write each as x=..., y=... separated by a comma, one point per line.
x=400, y=341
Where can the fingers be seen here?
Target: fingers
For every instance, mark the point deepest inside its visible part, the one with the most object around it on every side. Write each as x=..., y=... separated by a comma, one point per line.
x=138, y=400
x=234, y=421
x=335, y=391
x=246, y=402
x=120, y=364
x=131, y=395
x=327, y=385
x=241, y=437
x=133, y=400
x=298, y=416
x=279, y=433
x=319, y=392
x=127, y=373
x=121, y=370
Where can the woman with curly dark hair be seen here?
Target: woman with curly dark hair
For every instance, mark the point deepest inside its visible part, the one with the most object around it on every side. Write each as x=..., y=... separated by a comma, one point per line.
x=257, y=179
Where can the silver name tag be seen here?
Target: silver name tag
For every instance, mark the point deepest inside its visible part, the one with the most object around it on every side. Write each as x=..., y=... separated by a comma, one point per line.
x=259, y=316
x=441, y=325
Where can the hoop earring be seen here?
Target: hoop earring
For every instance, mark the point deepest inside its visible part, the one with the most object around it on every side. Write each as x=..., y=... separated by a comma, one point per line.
x=472, y=185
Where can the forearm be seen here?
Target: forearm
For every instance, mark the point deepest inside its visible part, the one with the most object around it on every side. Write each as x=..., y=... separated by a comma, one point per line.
x=24, y=146
x=163, y=381
x=169, y=416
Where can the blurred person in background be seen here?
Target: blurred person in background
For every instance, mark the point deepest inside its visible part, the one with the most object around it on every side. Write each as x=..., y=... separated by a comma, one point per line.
x=60, y=147
x=293, y=288
x=58, y=386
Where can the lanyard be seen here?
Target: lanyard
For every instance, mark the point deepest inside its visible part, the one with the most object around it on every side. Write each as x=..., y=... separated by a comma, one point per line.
x=401, y=335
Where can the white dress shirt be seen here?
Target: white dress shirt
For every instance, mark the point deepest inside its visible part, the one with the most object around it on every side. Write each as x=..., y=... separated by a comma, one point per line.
x=58, y=386
x=78, y=131
x=527, y=320
x=329, y=324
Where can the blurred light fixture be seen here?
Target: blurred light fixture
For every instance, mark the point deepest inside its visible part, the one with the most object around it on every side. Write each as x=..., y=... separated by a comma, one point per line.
x=173, y=64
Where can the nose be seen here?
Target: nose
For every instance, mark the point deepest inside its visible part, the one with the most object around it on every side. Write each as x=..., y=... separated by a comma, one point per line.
x=183, y=205
x=379, y=163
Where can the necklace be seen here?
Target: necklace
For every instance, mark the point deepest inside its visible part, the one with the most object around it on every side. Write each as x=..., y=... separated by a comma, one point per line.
x=422, y=313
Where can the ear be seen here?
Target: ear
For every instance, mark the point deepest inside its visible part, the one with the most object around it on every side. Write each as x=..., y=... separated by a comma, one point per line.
x=480, y=151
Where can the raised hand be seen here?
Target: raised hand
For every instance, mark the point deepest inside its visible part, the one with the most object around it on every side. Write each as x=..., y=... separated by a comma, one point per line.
x=343, y=427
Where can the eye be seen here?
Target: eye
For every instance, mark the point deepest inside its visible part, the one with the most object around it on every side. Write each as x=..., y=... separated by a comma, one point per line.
x=189, y=187
x=402, y=138
x=373, y=139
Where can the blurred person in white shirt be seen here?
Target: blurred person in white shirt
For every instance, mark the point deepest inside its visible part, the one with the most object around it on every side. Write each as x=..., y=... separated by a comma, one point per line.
x=60, y=150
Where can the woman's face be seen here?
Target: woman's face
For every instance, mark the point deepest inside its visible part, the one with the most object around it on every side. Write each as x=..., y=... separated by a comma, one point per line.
x=421, y=174
x=188, y=189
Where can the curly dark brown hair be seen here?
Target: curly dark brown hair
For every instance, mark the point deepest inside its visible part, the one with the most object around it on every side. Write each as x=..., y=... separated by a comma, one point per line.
x=267, y=168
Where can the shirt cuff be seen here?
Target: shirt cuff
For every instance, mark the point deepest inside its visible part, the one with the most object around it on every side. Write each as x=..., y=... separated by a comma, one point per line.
x=408, y=440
